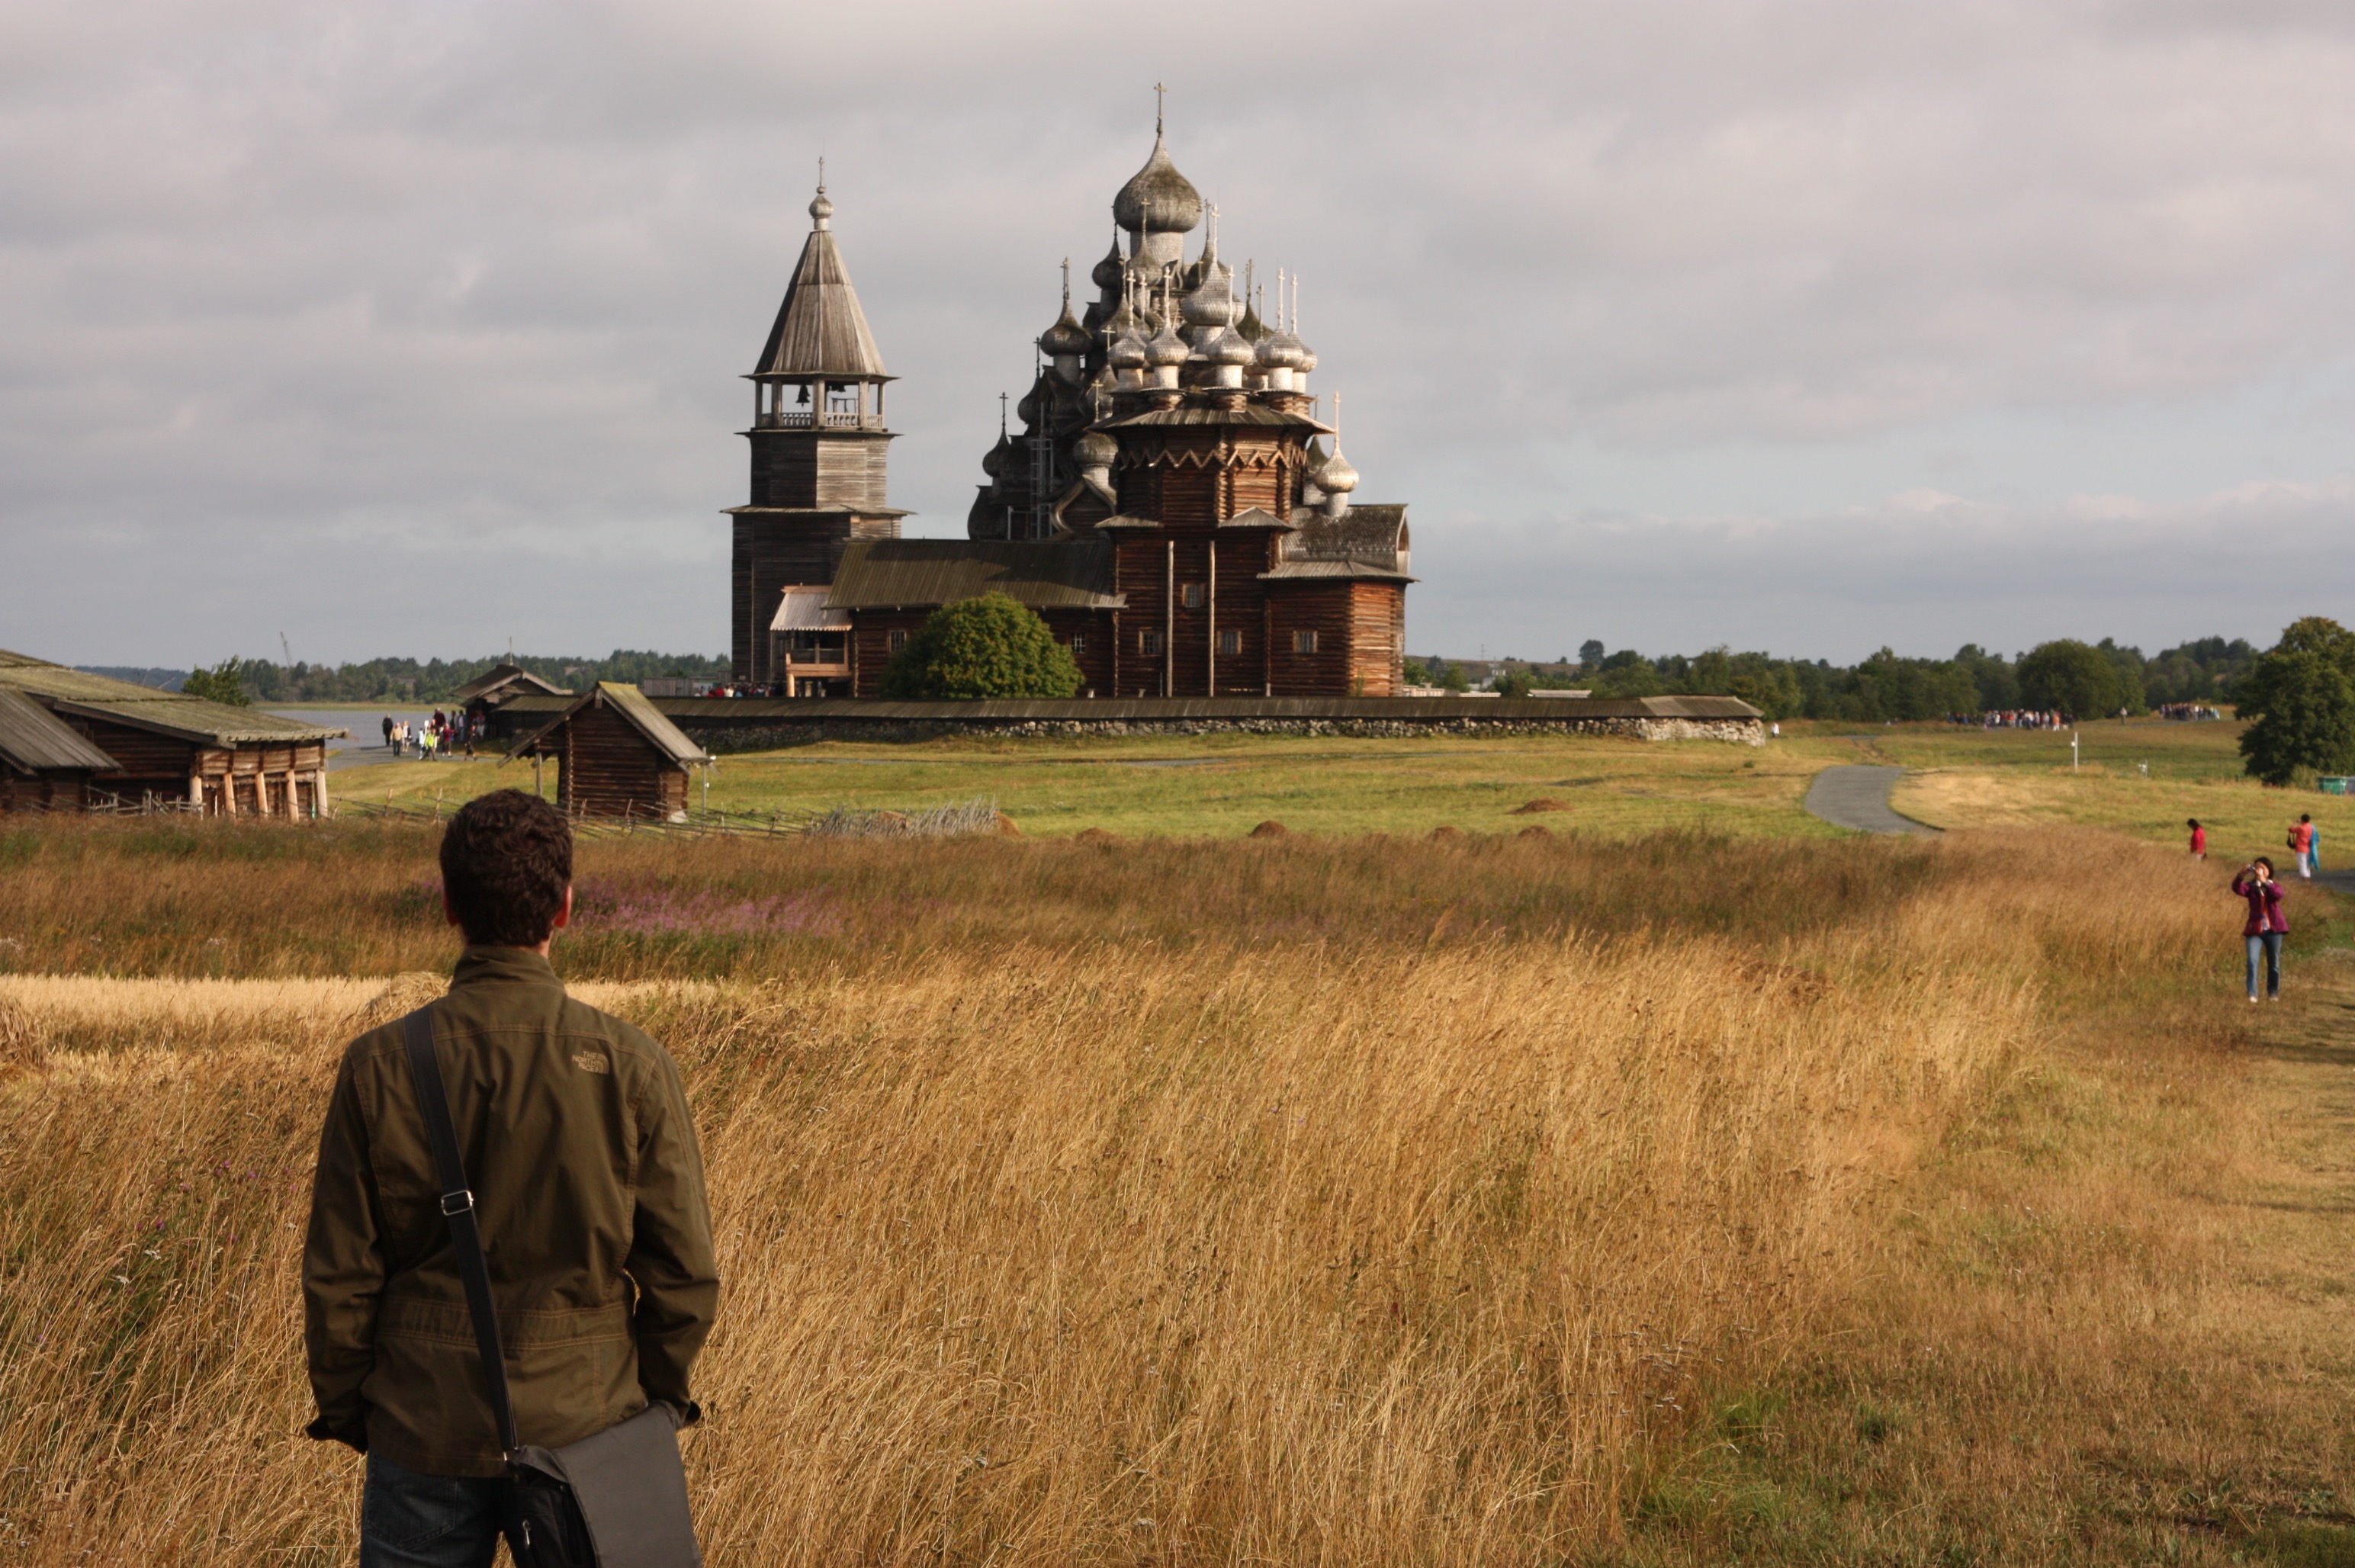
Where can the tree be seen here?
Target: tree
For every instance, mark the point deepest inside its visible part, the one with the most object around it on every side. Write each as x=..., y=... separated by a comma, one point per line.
x=2073, y=676
x=1453, y=678
x=1591, y=652
x=2301, y=693
x=1512, y=683
x=989, y=646
x=222, y=683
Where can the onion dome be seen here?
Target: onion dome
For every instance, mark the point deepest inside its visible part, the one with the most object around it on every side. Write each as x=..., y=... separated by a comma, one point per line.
x=1281, y=351
x=1166, y=347
x=1128, y=351
x=994, y=461
x=1121, y=322
x=820, y=208
x=1095, y=449
x=1027, y=410
x=1307, y=360
x=1212, y=304
x=1157, y=199
x=1333, y=476
x=1067, y=339
x=1111, y=269
x=1230, y=347
x=1251, y=327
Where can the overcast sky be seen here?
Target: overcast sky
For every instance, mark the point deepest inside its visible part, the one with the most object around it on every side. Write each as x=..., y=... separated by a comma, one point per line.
x=1811, y=326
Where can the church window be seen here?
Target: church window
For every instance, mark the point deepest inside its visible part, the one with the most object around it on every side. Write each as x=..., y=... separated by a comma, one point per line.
x=1148, y=642
x=1079, y=642
x=1194, y=594
x=894, y=640
x=1304, y=642
x=1230, y=643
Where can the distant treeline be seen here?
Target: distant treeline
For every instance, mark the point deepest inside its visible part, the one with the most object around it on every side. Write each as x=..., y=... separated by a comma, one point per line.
x=2083, y=678
x=413, y=680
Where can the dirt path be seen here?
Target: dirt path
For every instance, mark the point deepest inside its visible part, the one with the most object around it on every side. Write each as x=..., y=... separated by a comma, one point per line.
x=1858, y=798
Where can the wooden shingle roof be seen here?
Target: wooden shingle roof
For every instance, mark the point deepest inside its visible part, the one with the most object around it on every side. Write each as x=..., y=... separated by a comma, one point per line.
x=172, y=713
x=1045, y=574
x=635, y=707
x=34, y=740
x=507, y=673
x=820, y=330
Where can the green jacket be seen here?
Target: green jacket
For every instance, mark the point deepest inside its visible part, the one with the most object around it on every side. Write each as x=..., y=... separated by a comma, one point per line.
x=589, y=1188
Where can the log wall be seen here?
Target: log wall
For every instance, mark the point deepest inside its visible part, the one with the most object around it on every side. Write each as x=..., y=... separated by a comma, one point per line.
x=820, y=469
x=1322, y=607
x=1377, y=639
x=606, y=768
x=54, y=789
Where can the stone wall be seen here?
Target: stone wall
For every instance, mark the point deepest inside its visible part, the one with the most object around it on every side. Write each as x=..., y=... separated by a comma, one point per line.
x=726, y=738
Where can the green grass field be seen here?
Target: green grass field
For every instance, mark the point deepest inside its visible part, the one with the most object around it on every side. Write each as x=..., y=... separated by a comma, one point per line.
x=1222, y=785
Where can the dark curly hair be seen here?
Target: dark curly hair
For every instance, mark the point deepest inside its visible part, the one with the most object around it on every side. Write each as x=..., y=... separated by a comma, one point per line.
x=507, y=860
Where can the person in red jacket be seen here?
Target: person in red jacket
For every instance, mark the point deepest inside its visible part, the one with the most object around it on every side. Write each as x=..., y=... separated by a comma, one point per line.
x=2199, y=839
x=2266, y=924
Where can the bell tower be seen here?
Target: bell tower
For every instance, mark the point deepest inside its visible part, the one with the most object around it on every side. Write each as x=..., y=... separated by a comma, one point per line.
x=820, y=449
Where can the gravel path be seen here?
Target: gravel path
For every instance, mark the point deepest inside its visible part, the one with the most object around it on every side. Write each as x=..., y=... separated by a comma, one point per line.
x=1858, y=798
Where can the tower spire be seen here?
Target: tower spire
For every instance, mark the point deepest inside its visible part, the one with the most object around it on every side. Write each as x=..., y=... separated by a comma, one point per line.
x=1159, y=106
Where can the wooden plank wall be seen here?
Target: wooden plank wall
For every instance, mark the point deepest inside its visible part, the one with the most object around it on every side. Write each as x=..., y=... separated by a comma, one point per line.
x=870, y=650
x=56, y=789
x=1137, y=578
x=150, y=762
x=1377, y=639
x=807, y=468
x=1323, y=606
x=1094, y=626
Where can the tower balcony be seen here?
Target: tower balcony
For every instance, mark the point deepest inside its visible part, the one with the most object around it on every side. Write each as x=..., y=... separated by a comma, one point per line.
x=804, y=419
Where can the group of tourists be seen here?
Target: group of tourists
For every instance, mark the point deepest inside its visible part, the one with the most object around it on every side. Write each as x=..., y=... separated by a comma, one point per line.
x=2187, y=713
x=2256, y=885
x=440, y=735
x=2020, y=718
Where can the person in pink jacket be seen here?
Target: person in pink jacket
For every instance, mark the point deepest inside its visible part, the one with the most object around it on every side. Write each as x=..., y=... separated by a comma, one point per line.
x=2266, y=924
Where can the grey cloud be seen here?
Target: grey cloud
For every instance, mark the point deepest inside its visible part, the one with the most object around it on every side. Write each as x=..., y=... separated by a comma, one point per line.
x=375, y=320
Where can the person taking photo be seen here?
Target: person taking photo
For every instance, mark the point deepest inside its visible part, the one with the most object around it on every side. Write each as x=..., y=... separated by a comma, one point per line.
x=2266, y=924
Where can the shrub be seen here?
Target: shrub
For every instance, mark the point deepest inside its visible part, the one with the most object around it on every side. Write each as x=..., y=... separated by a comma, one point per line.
x=989, y=646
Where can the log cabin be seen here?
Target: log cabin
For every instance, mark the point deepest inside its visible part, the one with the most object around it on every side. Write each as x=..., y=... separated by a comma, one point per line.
x=616, y=755
x=170, y=749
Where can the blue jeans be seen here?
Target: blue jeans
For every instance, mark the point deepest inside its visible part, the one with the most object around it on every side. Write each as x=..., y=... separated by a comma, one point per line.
x=413, y=1520
x=2268, y=948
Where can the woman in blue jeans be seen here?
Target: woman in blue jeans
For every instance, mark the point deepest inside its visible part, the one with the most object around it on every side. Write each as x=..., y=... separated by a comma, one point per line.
x=2266, y=926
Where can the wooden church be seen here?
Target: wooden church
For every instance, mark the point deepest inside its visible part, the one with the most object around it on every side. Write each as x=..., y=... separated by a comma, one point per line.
x=1172, y=505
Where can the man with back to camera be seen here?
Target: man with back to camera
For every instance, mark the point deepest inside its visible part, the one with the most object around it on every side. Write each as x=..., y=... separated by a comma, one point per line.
x=574, y=1131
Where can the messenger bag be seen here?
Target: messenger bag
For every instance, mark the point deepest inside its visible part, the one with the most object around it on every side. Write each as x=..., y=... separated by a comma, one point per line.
x=614, y=1500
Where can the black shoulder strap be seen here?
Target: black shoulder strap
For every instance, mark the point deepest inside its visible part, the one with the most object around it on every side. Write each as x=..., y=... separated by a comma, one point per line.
x=458, y=1208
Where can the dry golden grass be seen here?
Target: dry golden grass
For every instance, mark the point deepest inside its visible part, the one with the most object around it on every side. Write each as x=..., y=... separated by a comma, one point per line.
x=1398, y=1249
